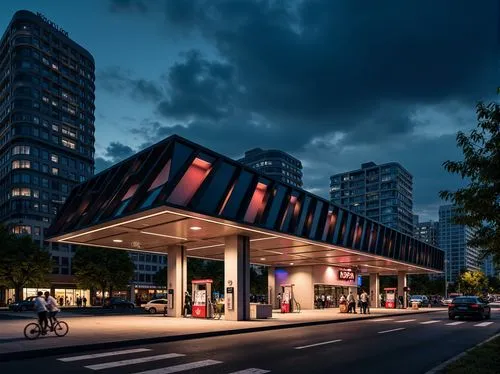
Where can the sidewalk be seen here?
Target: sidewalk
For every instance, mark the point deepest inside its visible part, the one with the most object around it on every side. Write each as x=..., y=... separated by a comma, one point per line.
x=98, y=332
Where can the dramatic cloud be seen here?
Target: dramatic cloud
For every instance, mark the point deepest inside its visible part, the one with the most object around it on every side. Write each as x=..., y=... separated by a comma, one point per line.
x=116, y=81
x=114, y=153
x=331, y=82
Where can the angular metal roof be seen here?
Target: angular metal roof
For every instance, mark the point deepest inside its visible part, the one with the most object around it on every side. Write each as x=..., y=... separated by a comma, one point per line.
x=178, y=192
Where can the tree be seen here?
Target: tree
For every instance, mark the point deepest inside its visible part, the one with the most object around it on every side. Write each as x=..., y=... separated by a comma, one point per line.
x=494, y=285
x=258, y=280
x=203, y=269
x=473, y=283
x=479, y=202
x=23, y=263
x=102, y=268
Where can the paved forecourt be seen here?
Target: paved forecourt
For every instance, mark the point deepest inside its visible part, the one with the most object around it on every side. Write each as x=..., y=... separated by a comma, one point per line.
x=411, y=343
x=84, y=331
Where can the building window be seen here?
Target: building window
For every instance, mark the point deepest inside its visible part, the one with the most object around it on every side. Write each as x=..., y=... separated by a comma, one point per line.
x=54, y=158
x=68, y=143
x=21, y=150
x=55, y=171
x=21, y=229
x=21, y=164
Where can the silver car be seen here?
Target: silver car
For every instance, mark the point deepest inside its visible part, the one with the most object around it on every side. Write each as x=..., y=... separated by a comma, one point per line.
x=155, y=306
x=421, y=300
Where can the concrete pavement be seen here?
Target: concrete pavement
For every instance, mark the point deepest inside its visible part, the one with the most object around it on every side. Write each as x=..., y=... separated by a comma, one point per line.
x=411, y=344
x=126, y=330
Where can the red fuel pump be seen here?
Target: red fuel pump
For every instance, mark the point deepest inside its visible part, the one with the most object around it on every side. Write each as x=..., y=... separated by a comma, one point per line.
x=202, y=292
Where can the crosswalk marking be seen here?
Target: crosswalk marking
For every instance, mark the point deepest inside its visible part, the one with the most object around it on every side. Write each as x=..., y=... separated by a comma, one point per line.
x=133, y=361
x=182, y=367
x=252, y=371
x=428, y=322
x=316, y=344
x=382, y=319
x=483, y=324
x=455, y=323
x=406, y=320
x=386, y=331
x=105, y=354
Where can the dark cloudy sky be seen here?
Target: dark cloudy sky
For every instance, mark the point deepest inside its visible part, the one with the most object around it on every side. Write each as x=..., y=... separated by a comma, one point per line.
x=335, y=83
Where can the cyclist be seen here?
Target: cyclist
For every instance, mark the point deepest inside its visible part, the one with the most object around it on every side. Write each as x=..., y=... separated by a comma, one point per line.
x=41, y=310
x=52, y=307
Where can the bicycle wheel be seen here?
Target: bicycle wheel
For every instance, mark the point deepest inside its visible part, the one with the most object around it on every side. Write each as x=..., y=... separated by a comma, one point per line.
x=297, y=307
x=32, y=331
x=61, y=328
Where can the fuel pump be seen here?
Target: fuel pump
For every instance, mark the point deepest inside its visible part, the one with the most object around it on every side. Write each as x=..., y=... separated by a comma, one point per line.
x=201, y=291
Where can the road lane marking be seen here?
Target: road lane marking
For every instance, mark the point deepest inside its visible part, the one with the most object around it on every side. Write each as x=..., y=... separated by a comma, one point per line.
x=428, y=322
x=386, y=331
x=133, y=361
x=317, y=344
x=483, y=324
x=382, y=319
x=405, y=320
x=252, y=371
x=183, y=367
x=454, y=323
x=105, y=354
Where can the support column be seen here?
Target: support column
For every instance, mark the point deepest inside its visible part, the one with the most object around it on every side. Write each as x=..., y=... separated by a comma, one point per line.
x=132, y=292
x=402, y=284
x=237, y=278
x=374, y=290
x=271, y=287
x=176, y=278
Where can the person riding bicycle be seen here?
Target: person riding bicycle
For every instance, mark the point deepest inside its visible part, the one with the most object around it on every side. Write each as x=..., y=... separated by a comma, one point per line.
x=41, y=310
x=52, y=308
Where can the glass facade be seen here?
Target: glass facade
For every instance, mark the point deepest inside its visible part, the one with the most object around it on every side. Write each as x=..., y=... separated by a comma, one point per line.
x=326, y=296
x=383, y=193
x=46, y=127
x=274, y=163
x=453, y=240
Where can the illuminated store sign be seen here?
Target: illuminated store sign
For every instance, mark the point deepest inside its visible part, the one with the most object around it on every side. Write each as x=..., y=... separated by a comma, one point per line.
x=52, y=24
x=347, y=275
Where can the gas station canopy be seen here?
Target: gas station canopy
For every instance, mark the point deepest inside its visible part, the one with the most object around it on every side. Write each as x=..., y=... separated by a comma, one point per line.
x=180, y=193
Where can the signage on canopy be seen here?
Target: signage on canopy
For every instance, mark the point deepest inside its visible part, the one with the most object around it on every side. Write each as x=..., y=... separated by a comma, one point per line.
x=347, y=275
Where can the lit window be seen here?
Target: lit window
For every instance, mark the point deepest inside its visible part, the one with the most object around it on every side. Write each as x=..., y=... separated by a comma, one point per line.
x=68, y=143
x=55, y=127
x=21, y=229
x=21, y=164
x=55, y=171
x=21, y=150
x=54, y=158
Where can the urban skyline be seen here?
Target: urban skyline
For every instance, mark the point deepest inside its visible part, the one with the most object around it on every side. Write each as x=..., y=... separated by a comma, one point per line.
x=135, y=99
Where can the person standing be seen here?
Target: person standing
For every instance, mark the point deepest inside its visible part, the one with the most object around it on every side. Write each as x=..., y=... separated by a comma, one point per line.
x=84, y=300
x=278, y=299
x=41, y=310
x=364, y=301
x=351, y=303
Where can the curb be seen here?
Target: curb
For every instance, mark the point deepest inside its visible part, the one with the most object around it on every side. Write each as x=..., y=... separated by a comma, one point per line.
x=12, y=356
x=438, y=369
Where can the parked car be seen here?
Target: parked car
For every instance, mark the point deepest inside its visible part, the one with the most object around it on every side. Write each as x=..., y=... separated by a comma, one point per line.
x=421, y=300
x=155, y=306
x=469, y=306
x=117, y=302
x=28, y=304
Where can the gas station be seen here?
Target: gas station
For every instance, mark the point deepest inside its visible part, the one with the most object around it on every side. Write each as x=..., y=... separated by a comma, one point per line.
x=181, y=199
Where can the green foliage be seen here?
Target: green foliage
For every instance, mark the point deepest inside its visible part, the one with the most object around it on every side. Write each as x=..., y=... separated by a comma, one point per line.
x=479, y=202
x=494, y=285
x=206, y=269
x=102, y=268
x=422, y=284
x=258, y=280
x=23, y=263
x=473, y=283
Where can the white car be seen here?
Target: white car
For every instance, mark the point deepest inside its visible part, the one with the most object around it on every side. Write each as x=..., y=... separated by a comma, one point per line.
x=155, y=306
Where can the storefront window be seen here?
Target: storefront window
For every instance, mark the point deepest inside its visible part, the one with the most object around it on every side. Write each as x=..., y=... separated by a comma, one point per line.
x=326, y=296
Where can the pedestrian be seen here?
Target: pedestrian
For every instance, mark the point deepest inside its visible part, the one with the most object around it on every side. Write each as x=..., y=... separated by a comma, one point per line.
x=52, y=308
x=61, y=301
x=84, y=301
x=351, y=303
x=323, y=301
x=363, y=298
x=278, y=298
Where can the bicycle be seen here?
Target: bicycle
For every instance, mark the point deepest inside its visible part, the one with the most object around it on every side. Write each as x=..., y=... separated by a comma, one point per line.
x=215, y=310
x=296, y=306
x=33, y=329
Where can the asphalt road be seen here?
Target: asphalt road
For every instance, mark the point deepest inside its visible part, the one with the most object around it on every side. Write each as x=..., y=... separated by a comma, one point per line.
x=409, y=344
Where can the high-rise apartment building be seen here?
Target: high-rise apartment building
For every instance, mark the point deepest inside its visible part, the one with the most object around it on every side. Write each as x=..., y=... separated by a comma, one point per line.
x=46, y=130
x=383, y=193
x=453, y=240
x=275, y=163
x=488, y=267
x=428, y=232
